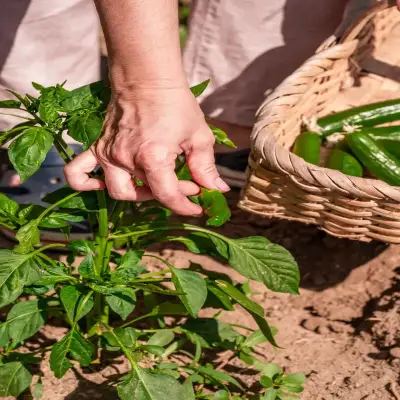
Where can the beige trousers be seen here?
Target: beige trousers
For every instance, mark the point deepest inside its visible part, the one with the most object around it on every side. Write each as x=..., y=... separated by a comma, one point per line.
x=47, y=41
x=247, y=47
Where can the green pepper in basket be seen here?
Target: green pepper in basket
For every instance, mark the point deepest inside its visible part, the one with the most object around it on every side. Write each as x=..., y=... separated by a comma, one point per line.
x=344, y=162
x=308, y=147
x=387, y=136
x=368, y=115
x=375, y=157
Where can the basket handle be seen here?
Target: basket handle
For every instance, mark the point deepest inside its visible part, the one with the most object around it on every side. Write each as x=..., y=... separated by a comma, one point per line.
x=348, y=34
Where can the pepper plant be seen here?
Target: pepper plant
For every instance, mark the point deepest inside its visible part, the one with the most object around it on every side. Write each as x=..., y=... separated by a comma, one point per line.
x=114, y=300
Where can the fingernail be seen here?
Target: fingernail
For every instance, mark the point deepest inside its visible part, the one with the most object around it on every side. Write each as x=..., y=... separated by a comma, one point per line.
x=222, y=186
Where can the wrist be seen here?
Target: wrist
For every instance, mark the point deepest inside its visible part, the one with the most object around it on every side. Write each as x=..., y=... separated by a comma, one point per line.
x=130, y=79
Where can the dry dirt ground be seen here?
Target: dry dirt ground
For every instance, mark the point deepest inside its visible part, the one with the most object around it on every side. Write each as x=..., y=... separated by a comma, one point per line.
x=343, y=331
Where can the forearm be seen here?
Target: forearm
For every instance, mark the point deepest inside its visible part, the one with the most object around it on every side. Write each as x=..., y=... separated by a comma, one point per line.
x=143, y=43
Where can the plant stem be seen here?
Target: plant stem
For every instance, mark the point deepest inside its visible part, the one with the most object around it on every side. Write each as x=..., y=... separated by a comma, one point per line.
x=102, y=234
x=64, y=145
x=17, y=116
x=163, y=227
x=117, y=213
x=55, y=205
x=123, y=348
x=243, y=327
x=151, y=274
x=49, y=246
x=61, y=151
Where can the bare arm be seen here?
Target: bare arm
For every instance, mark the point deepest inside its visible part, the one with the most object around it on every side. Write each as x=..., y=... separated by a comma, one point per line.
x=152, y=117
x=143, y=42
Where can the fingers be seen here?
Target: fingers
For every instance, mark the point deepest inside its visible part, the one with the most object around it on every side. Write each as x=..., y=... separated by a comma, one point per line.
x=159, y=167
x=76, y=172
x=14, y=180
x=188, y=188
x=201, y=163
x=121, y=185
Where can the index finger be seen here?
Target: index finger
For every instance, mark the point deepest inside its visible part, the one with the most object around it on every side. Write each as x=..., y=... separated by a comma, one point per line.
x=77, y=172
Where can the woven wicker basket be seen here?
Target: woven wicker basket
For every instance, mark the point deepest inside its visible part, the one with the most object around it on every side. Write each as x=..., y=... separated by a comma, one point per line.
x=283, y=185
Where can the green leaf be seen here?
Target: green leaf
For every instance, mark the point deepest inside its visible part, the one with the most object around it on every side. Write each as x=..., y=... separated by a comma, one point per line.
x=209, y=244
x=82, y=246
x=16, y=271
x=85, y=128
x=295, y=379
x=200, y=88
x=86, y=201
x=142, y=384
x=122, y=303
x=168, y=365
x=59, y=220
x=271, y=394
x=156, y=289
x=292, y=388
x=265, y=328
x=218, y=299
x=194, y=287
x=54, y=274
x=38, y=290
x=271, y=370
x=266, y=381
x=131, y=259
x=222, y=395
x=37, y=86
x=221, y=137
x=258, y=259
x=184, y=174
x=129, y=268
x=212, y=331
x=127, y=336
x=214, y=205
x=258, y=337
x=241, y=298
x=94, y=96
x=14, y=379
x=49, y=104
x=219, y=376
x=188, y=392
x=168, y=308
x=10, y=104
x=29, y=150
x=162, y=338
x=8, y=206
x=156, y=350
x=76, y=302
x=38, y=390
x=25, y=319
x=127, y=275
x=86, y=267
x=72, y=345
x=4, y=335
x=28, y=236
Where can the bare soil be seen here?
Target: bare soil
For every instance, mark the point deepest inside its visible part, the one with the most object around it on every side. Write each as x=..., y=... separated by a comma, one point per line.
x=343, y=331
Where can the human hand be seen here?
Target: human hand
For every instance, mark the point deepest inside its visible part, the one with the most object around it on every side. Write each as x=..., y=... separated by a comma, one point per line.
x=144, y=131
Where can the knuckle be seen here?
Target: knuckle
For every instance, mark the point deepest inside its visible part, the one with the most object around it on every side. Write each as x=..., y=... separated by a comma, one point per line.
x=151, y=154
x=202, y=141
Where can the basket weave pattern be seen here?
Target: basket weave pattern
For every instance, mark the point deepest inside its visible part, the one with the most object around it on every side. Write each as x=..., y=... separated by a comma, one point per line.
x=282, y=185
